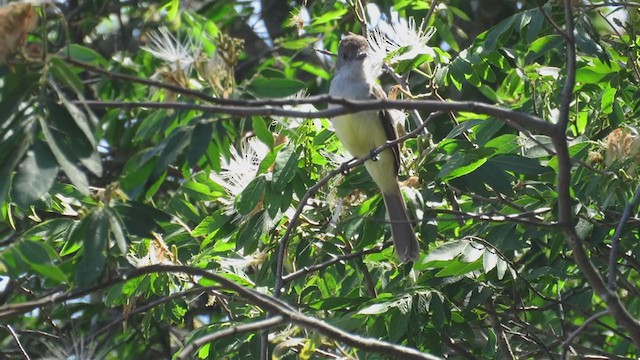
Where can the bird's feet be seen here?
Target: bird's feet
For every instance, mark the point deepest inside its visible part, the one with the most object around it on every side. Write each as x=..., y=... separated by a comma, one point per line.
x=374, y=154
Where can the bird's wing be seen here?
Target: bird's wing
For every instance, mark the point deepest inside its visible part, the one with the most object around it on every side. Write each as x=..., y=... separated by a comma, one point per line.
x=387, y=124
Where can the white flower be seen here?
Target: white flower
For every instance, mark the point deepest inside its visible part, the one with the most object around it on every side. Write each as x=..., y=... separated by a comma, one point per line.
x=378, y=48
x=242, y=168
x=180, y=56
x=388, y=38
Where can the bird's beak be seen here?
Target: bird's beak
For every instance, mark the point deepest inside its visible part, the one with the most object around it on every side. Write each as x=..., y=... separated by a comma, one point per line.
x=361, y=55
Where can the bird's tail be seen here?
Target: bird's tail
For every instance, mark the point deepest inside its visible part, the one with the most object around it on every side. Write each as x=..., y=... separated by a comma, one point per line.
x=404, y=238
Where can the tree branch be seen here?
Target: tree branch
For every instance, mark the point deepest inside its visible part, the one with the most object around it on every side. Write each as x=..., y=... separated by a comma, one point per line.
x=567, y=343
x=570, y=81
x=17, y=340
x=613, y=254
x=239, y=329
x=503, y=342
x=565, y=215
x=262, y=108
x=254, y=297
x=317, y=267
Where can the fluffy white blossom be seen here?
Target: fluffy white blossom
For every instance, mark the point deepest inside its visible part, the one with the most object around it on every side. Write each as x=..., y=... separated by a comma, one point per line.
x=388, y=38
x=179, y=55
x=242, y=167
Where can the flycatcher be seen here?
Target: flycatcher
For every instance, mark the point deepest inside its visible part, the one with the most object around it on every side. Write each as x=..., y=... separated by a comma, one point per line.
x=362, y=132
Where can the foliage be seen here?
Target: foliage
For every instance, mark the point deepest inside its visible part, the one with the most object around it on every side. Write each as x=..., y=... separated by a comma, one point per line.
x=141, y=134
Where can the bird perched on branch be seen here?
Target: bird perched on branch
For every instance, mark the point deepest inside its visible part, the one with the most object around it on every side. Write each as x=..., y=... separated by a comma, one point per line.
x=364, y=131
x=16, y=21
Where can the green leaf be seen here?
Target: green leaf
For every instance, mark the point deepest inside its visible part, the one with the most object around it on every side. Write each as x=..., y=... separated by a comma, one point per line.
x=407, y=65
x=137, y=170
x=504, y=144
x=463, y=127
x=249, y=198
x=200, y=141
x=458, y=268
x=587, y=44
x=250, y=233
x=275, y=87
x=140, y=219
x=491, y=175
x=173, y=146
x=286, y=165
x=329, y=16
x=211, y=224
x=297, y=44
x=35, y=175
x=79, y=117
x=607, y=99
x=117, y=229
x=15, y=87
x=93, y=232
x=543, y=45
x=519, y=164
x=261, y=129
x=172, y=7
x=62, y=72
x=535, y=25
x=574, y=150
x=497, y=35
x=83, y=54
x=77, y=177
x=42, y=259
x=446, y=252
x=459, y=165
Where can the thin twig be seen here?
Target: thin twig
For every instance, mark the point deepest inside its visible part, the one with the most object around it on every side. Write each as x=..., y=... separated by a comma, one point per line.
x=553, y=23
x=317, y=267
x=17, y=340
x=615, y=241
x=500, y=218
x=146, y=307
x=567, y=343
x=234, y=330
x=503, y=342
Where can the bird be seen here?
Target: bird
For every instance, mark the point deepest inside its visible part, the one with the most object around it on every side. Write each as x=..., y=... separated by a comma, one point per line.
x=364, y=131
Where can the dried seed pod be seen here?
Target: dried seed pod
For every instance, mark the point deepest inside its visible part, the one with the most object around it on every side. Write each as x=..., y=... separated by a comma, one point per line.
x=16, y=21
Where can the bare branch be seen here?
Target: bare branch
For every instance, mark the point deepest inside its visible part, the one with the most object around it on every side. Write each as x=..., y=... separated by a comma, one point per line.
x=239, y=329
x=317, y=267
x=553, y=23
x=262, y=108
x=146, y=307
x=618, y=311
x=565, y=215
x=567, y=343
x=500, y=218
x=503, y=342
x=613, y=254
x=570, y=81
x=17, y=340
x=254, y=297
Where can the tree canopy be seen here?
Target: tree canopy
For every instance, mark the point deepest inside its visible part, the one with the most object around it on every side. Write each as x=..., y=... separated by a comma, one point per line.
x=171, y=186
